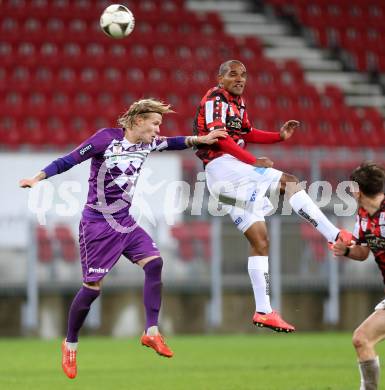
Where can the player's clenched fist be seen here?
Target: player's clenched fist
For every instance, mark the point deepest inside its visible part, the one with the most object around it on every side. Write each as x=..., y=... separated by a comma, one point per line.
x=26, y=183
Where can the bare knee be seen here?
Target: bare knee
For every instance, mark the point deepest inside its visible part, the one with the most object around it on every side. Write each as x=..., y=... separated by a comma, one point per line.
x=359, y=339
x=260, y=246
x=258, y=238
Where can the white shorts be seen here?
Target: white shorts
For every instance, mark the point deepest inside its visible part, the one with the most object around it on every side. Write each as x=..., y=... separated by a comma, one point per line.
x=243, y=187
x=380, y=306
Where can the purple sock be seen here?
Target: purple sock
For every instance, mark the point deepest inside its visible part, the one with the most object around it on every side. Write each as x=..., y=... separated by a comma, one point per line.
x=78, y=311
x=152, y=290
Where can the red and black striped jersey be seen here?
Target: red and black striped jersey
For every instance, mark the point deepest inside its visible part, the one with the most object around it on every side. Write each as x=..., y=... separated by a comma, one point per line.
x=219, y=109
x=370, y=231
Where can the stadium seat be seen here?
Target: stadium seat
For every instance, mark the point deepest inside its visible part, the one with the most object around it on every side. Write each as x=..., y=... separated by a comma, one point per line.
x=44, y=245
x=201, y=231
x=56, y=132
x=64, y=235
x=182, y=234
x=315, y=241
x=194, y=240
x=9, y=136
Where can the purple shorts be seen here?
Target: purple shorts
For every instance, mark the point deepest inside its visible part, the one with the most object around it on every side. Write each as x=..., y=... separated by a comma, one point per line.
x=101, y=247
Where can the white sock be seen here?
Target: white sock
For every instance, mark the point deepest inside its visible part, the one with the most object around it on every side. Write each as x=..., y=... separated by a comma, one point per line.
x=72, y=346
x=258, y=267
x=304, y=206
x=370, y=373
x=152, y=331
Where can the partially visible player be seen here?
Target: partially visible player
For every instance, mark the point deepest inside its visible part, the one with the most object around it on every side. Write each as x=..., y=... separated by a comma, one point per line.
x=368, y=235
x=238, y=178
x=107, y=230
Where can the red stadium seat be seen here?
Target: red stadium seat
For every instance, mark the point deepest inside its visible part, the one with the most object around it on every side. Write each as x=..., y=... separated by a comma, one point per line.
x=32, y=132
x=315, y=241
x=44, y=245
x=36, y=104
x=201, y=231
x=64, y=235
x=10, y=135
x=182, y=234
x=59, y=103
x=56, y=132
x=194, y=239
x=20, y=79
x=12, y=104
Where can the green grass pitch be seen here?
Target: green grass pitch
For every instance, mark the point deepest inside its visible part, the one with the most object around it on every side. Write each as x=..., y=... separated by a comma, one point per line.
x=265, y=361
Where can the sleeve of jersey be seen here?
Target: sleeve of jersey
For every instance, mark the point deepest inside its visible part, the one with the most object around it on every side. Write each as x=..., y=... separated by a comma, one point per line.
x=256, y=136
x=89, y=148
x=169, y=143
x=215, y=112
x=358, y=234
x=229, y=146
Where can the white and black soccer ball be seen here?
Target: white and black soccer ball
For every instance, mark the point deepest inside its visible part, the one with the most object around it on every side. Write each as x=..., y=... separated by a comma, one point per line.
x=117, y=21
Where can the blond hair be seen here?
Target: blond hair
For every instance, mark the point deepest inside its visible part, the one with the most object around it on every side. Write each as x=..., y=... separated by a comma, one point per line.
x=142, y=108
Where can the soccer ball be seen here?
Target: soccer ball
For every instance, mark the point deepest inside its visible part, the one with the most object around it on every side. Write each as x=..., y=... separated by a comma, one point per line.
x=117, y=21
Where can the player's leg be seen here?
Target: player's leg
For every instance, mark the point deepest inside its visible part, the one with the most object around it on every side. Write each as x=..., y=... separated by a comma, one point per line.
x=78, y=312
x=303, y=205
x=152, y=297
x=100, y=249
x=152, y=291
x=365, y=338
x=141, y=249
x=253, y=226
x=258, y=265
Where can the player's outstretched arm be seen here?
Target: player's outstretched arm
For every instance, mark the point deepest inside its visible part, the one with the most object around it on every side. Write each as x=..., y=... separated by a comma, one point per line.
x=89, y=148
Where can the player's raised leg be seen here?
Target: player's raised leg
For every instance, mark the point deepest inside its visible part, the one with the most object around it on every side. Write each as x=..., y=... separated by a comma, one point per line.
x=152, y=296
x=304, y=206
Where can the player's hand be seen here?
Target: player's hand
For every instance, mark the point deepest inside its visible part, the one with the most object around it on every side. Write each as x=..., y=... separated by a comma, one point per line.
x=287, y=130
x=339, y=248
x=27, y=183
x=212, y=137
x=263, y=162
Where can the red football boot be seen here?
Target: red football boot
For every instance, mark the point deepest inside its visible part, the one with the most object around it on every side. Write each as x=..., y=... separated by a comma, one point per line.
x=68, y=361
x=273, y=321
x=157, y=343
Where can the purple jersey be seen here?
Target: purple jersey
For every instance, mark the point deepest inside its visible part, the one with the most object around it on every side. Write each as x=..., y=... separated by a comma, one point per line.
x=115, y=168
